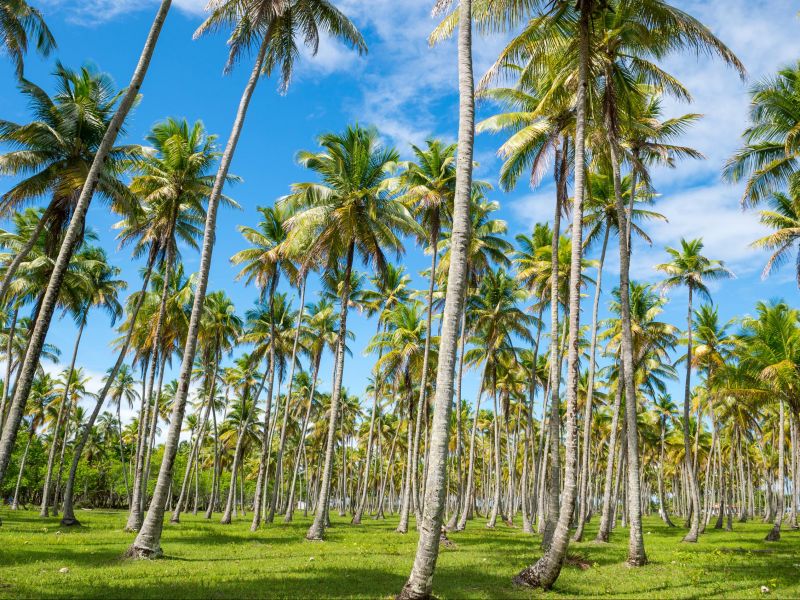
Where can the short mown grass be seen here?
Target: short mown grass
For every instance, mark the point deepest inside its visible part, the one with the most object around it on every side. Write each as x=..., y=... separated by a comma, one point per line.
x=204, y=559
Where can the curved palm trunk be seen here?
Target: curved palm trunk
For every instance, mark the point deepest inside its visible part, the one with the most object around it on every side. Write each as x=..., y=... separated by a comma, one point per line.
x=71, y=238
x=587, y=412
x=61, y=420
x=68, y=517
x=136, y=515
x=546, y=570
x=148, y=541
x=420, y=581
x=691, y=475
x=317, y=529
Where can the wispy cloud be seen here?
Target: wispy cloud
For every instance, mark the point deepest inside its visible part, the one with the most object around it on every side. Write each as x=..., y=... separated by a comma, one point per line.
x=94, y=12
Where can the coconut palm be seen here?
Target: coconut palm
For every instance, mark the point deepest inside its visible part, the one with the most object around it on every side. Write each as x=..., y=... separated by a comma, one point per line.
x=53, y=154
x=689, y=268
x=769, y=159
x=72, y=238
x=348, y=212
x=21, y=23
x=273, y=27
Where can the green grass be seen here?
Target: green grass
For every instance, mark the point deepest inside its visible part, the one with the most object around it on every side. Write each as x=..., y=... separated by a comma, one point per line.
x=209, y=560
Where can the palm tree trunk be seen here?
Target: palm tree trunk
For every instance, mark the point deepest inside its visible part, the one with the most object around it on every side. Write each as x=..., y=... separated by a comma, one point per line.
x=15, y=501
x=71, y=238
x=636, y=553
x=420, y=581
x=68, y=517
x=405, y=501
x=694, y=493
x=61, y=420
x=9, y=363
x=775, y=533
x=587, y=411
x=148, y=541
x=237, y=457
x=317, y=529
x=122, y=451
x=194, y=452
x=301, y=442
x=452, y=524
x=497, y=466
x=12, y=268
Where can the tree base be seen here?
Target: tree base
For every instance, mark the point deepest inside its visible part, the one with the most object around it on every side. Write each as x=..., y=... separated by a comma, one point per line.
x=70, y=522
x=690, y=538
x=143, y=553
x=356, y=520
x=529, y=578
x=175, y=520
x=774, y=534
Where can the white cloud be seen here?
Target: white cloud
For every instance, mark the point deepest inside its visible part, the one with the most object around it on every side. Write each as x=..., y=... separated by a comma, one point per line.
x=93, y=12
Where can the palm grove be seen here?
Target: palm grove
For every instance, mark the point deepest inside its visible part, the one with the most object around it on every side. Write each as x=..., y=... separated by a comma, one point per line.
x=572, y=419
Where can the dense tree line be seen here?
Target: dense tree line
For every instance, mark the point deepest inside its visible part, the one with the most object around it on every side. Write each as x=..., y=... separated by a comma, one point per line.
x=248, y=430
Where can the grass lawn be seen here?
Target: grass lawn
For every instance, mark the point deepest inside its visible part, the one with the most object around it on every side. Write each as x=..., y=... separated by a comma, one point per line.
x=208, y=560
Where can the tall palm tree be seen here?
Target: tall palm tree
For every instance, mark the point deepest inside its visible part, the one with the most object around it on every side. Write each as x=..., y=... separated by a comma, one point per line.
x=72, y=238
x=420, y=580
x=689, y=268
x=53, y=154
x=122, y=389
x=348, y=212
x=21, y=23
x=273, y=27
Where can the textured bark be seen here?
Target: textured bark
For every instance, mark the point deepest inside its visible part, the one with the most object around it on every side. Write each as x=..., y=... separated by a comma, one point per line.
x=583, y=493
x=71, y=239
x=547, y=569
x=554, y=422
x=636, y=553
x=420, y=582
x=317, y=529
x=148, y=541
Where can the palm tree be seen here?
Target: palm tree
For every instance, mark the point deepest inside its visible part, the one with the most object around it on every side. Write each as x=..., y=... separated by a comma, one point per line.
x=769, y=158
x=19, y=23
x=263, y=264
x=691, y=269
x=123, y=388
x=420, y=580
x=273, y=26
x=71, y=240
x=54, y=152
x=348, y=212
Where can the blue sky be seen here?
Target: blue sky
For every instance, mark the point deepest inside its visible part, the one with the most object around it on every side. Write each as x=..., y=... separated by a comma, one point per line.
x=407, y=90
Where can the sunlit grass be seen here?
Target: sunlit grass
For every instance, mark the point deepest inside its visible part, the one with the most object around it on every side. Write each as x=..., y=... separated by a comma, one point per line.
x=209, y=560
